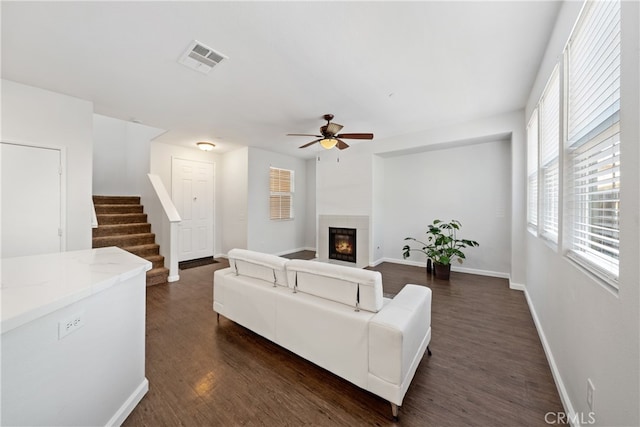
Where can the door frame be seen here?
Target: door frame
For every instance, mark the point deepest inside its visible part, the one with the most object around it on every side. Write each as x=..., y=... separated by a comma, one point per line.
x=213, y=197
x=63, y=181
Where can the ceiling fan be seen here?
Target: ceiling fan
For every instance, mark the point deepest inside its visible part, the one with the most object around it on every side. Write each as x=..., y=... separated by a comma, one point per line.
x=329, y=136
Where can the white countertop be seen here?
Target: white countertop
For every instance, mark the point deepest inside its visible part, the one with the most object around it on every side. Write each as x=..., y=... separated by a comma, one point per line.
x=33, y=286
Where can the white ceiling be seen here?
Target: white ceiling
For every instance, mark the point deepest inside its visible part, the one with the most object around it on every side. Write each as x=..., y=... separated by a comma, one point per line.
x=384, y=67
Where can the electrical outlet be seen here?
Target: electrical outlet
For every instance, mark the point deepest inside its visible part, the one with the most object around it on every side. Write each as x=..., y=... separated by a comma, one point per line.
x=590, y=389
x=71, y=324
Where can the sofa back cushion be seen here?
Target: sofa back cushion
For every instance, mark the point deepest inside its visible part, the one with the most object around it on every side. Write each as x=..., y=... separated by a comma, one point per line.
x=346, y=285
x=258, y=265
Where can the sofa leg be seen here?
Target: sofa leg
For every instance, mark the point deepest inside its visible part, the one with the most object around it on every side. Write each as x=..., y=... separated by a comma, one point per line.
x=218, y=317
x=394, y=411
x=428, y=351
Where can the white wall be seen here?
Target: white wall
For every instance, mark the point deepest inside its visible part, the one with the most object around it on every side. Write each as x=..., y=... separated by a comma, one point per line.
x=234, y=189
x=35, y=116
x=121, y=156
x=471, y=184
x=343, y=182
x=351, y=186
x=504, y=126
x=378, y=219
x=311, y=218
x=587, y=331
x=263, y=234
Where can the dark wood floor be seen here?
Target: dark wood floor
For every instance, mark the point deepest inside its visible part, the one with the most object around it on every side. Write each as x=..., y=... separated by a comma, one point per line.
x=488, y=367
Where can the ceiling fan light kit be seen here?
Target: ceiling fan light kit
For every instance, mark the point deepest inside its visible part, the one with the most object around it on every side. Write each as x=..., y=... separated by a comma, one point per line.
x=328, y=143
x=329, y=136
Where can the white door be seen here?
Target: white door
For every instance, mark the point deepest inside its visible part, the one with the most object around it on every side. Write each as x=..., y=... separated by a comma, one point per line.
x=31, y=200
x=192, y=194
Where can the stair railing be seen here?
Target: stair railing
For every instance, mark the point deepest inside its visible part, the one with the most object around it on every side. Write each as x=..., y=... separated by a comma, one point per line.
x=170, y=221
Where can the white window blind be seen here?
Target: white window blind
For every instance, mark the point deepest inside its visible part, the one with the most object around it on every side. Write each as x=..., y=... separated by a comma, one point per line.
x=532, y=170
x=549, y=156
x=593, y=146
x=280, y=193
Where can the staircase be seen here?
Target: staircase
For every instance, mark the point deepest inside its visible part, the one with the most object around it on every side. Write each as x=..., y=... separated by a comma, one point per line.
x=122, y=223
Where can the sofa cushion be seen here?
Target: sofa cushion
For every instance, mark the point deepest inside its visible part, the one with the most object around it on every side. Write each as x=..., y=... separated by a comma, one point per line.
x=330, y=334
x=258, y=265
x=337, y=283
x=399, y=334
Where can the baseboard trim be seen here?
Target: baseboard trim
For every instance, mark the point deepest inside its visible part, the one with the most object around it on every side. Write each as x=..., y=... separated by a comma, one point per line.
x=562, y=390
x=173, y=278
x=402, y=261
x=376, y=262
x=477, y=272
x=516, y=286
x=127, y=407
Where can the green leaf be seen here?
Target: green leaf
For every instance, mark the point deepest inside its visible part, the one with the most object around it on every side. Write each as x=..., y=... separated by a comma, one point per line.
x=443, y=245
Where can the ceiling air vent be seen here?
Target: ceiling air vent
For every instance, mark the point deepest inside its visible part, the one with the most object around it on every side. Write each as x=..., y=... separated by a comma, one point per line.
x=200, y=57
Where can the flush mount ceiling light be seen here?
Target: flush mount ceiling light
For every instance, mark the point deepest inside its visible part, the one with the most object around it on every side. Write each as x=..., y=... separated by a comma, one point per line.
x=205, y=146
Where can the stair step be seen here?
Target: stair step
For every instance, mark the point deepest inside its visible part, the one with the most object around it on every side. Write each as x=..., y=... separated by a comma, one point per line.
x=143, y=251
x=157, y=261
x=117, y=209
x=123, y=241
x=121, y=229
x=116, y=200
x=123, y=223
x=125, y=218
x=157, y=276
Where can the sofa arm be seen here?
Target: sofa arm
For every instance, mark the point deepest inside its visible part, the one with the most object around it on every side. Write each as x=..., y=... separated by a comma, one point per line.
x=399, y=335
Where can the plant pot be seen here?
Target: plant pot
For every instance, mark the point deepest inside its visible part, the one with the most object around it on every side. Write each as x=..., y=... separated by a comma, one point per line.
x=442, y=270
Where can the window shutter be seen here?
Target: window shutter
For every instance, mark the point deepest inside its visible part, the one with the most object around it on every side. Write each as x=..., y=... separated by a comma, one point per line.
x=594, y=70
x=281, y=193
x=549, y=156
x=593, y=146
x=532, y=170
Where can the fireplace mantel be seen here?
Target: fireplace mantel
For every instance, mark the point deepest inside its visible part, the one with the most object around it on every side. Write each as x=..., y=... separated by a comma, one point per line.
x=358, y=222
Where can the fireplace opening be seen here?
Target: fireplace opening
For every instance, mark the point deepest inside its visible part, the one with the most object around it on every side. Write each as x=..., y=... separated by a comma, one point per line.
x=342, y=244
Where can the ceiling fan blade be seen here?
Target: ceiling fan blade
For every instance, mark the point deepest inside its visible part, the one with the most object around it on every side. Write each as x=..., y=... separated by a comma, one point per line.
x=303, y=134
x=355, y=135
x=309, y=143
x=342, y=145
x=333, y=128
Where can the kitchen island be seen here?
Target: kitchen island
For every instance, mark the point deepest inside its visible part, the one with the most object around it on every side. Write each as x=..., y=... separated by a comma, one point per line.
x=73, y=337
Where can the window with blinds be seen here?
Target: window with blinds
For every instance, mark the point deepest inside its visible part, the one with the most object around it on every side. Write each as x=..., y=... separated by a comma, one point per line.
x=593, y=138
x=549, y=111
x=532, y=172
x=280, y=193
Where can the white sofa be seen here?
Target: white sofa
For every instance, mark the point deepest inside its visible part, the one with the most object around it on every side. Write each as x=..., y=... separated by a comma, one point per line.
x=331, y=315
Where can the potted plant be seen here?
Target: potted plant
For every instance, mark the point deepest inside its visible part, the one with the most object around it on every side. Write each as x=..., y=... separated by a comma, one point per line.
x=442, y=246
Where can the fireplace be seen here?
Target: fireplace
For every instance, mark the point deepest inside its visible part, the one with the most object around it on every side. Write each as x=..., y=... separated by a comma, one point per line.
x=359, y=224
x=342, y=244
